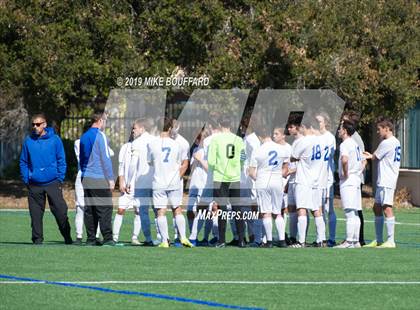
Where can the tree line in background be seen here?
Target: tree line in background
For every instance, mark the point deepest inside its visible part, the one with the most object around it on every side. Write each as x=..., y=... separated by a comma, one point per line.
x=57, y=56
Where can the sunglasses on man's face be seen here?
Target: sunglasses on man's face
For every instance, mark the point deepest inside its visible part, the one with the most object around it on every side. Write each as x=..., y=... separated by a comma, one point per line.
x=37, y=124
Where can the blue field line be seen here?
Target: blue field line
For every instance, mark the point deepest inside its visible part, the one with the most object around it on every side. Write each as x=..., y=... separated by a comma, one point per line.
x=124, y=292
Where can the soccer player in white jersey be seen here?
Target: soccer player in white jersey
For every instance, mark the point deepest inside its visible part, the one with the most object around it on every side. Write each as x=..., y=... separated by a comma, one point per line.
x=280, y=138
x=196, y=186
x=165, y=155
x=308, y=155
x=294, y=129
x=327, y=177
x=388, y=155
x=185, y=149
x=140, y=174
x=350, y=171
x=126, y=200
x=267, y=167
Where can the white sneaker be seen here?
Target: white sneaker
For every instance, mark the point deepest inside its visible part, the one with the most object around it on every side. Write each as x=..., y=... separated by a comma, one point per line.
x=357, y=245
x=345, y=245
x=135, y=242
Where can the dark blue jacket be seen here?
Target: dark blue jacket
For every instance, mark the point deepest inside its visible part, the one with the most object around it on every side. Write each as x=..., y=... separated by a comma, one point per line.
x=95, y=160
x=42, y=160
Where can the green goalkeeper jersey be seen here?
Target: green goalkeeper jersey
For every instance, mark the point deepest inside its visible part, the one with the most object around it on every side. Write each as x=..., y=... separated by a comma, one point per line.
x=226, y=156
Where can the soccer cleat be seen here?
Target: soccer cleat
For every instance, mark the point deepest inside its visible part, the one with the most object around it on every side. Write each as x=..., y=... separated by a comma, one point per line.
x=177, y=243
x=135, y=242
x=297, y=245
x=213, y=241
x=267, y=245
x=357, y=245
x=109, y=243
x=372, y=244
x=185, y=242
x=281, y=244
x=234, y=242
x=255, y=245
x=242, y=244
x=220, y=245
x=193, y=242
x=164, y=244
x=345, y=245
x=322, y=244
x=68, y=240
x=387, y=245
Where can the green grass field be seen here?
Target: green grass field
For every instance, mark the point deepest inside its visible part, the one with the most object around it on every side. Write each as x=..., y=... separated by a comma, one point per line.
x=348, y=272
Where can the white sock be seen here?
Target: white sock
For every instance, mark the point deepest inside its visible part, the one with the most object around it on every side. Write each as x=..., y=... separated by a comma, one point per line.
x=78, y=221
x=162, y=223
x=118, y=219
x=357, y=224
x=136, y=226
x=258, y=227
x=194, y=228
x=158, y=235
x=320, y=229
x=281, y=227
x=180, y=224
x=215, y=228
x=379, y=228
x=301, y=227
x=268, y=226
x=293, y=224
x=350, y=225
x=390, y=226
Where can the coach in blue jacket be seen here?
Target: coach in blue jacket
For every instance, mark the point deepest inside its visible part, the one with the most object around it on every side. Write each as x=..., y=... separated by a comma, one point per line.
x=43, y=168
x=97, y=180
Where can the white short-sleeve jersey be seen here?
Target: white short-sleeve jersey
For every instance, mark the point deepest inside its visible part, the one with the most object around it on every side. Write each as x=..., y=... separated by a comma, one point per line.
x=165, y=156
x=332, y=146
x=327, y=145
x=269, y=159
x=124, y=158
x=184, y=146
x=140, y=170
x=293, y=165
x=206, y=145
x=388, y=154
x=199, y=175
x=251, y=144
x=351, y=150
x=309, y=154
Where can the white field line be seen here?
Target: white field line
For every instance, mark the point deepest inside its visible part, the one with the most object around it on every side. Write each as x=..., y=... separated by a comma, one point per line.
x=73, y=210
x=230, y=282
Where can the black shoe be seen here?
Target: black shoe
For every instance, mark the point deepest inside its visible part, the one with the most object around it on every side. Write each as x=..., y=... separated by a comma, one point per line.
x=234, y=242
x=241, y=244
x=254, y=245
x=78, y=241
x=109, y=243
x=37, y=242
x=362, y=242
x=68, y=240
x=220, y=245
x=147, y=243
x=321, y=244
x=282, y=244
x=92, y=243
x=292, y=240
x=203, y=242
x=267, y=245
x=213, y=241
x=251, y=239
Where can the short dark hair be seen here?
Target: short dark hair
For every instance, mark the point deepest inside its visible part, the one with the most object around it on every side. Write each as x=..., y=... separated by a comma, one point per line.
x=349, y=126
x=39, y=115
x=96, y=116
x=295, y=119
x=164, y=124
x=352, y=116
x=146, y=123
x=225, y=121
x=385, y=122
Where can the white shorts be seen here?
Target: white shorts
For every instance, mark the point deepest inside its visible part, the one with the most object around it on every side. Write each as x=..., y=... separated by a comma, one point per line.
x=127, y=201
x=78, y=191
x=307, y=197
x=162, y=197
x=384, y=196
x=351, y=197
x=318, y=195
x=270, y=200
x=285, y=200
x=194, y=198
x=291, y=194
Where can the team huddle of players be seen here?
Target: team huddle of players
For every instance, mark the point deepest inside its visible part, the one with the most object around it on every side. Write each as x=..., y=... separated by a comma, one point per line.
x=259, y=174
